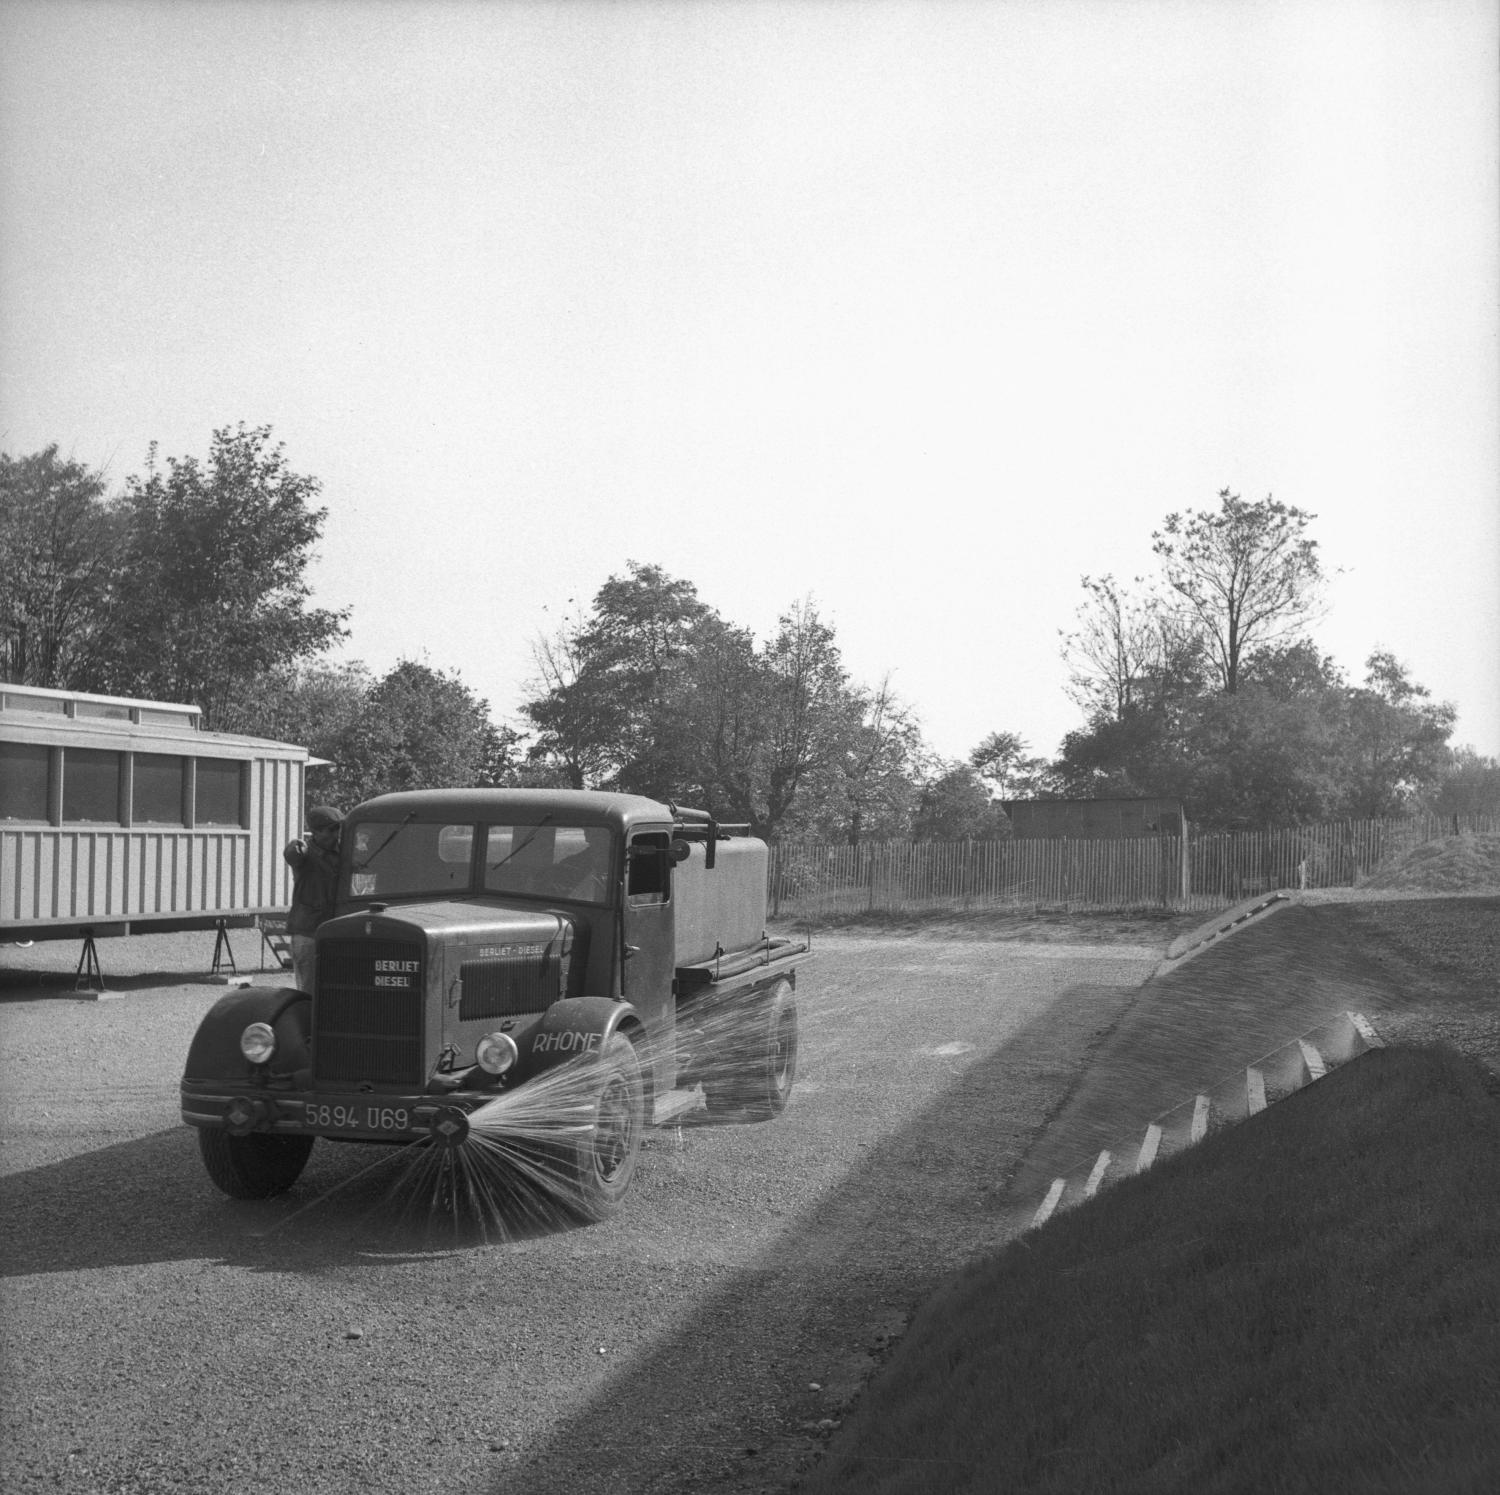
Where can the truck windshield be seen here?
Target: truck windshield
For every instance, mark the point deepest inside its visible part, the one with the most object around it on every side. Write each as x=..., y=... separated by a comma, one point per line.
x=549, y=861
x=400, y=858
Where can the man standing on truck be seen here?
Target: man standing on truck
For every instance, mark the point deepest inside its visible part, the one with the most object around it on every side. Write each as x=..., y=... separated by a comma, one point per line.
x=315, y=865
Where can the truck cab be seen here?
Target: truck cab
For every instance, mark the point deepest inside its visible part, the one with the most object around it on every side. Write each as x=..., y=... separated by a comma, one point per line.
x=484, y=938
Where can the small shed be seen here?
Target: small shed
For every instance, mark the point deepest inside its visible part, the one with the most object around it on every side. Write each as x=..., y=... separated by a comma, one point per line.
x=121, y=816
x=1094, y=819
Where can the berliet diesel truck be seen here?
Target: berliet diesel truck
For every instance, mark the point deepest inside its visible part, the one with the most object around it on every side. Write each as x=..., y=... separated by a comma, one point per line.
x=484, y=939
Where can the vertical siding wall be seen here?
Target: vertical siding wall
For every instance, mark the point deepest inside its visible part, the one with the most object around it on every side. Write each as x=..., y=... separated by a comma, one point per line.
x=76, y=873
x=276, y=812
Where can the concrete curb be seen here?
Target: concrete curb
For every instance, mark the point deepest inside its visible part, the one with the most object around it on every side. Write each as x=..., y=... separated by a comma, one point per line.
x=1286, y=1069
x=1185, y=946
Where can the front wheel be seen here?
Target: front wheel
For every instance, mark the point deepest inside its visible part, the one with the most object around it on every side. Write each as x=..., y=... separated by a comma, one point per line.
x=254, y=1166
x=600, y=1165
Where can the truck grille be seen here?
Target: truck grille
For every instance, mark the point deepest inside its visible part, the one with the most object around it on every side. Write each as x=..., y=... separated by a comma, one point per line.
x=506, y=985
x=367, y=1015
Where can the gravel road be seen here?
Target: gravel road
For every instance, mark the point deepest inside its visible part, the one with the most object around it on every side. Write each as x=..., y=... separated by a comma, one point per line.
x=158, y=1337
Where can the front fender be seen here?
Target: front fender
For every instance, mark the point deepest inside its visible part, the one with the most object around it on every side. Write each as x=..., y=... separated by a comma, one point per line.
x=214, y=1053
x=570, y=1029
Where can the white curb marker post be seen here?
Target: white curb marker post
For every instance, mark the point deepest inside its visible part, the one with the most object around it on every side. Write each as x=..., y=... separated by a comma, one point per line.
x=1316, y=1068
x=1149, y=1143
x=1200, y=1118
x=1044, y=1210
x=1255, y=1090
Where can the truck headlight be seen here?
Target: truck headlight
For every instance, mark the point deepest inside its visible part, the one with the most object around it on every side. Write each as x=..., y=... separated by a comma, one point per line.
x=496, y=1053
x=258, y=1042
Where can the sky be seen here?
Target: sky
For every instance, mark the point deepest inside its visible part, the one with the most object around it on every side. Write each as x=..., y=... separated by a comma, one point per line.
x=920, y=310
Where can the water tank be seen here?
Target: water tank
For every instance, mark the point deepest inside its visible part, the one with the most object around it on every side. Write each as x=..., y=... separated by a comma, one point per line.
x=722, y=907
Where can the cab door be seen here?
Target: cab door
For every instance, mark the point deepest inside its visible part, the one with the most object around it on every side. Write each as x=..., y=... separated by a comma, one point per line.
x=649, y=947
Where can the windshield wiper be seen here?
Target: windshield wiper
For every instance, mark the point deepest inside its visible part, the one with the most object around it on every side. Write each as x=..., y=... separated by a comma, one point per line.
x=515, y=851
x=396, y=831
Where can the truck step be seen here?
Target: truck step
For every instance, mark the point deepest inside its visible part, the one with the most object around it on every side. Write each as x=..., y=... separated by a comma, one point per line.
x=676, y=1103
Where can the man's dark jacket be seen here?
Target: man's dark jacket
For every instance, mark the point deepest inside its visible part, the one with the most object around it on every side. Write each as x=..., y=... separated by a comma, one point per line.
x=314, y=886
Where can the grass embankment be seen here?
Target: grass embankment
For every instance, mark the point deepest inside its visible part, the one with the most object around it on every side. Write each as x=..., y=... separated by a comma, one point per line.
x=1308, y=1301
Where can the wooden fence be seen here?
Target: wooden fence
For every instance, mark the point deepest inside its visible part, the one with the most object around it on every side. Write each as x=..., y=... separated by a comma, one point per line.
x=1208, y=870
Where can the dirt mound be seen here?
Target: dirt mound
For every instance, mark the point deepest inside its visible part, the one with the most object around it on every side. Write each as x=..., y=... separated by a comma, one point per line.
x=1453, y=864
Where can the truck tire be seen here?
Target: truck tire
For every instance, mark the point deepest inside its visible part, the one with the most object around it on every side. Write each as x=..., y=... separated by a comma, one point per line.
x=753, y=1079
x=255, y=1166
x=599, y=1167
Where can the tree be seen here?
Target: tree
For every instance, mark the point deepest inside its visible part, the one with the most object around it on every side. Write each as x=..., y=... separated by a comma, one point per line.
x=1469, y=785
x=319, y=706
x=655, y=693
x=1295, y=743
x=880, y=763
x=641, y=639
x=1223, y=702
x=810, y=716
x=716, y=720
x=1248, y=576
x=301, y=703
x=57, y=538
x=1129, y=652
x=1138, y=754
x=1294, y=671
x=1396, y=741
x=210, y=589
x=955, y=805
x=605, y=684
x=578, y=731
x=1254, y=759
x=417, y=728
x=1005, y=763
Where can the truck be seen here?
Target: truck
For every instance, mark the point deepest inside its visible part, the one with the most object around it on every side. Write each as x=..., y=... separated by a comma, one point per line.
x=486, y=944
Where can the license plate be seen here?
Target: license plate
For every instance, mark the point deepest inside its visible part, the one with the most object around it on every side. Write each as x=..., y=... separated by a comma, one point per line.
x=357, y=1117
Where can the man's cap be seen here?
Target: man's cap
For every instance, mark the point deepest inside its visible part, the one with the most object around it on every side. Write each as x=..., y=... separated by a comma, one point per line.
x=320, y=817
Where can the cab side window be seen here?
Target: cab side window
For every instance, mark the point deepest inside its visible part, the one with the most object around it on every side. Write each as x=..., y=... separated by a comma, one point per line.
x=650, y=877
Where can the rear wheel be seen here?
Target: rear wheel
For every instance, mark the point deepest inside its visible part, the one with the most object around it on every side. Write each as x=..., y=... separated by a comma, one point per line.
x=254, y=1166
x=600, y=1165
x=753, y=1077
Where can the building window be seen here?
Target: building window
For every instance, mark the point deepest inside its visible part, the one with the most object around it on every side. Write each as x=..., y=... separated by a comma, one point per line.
x=156, y=790
x=91, y=786
x=23, y=781
x=218, y=797
x=157, y=716
x=16, y=700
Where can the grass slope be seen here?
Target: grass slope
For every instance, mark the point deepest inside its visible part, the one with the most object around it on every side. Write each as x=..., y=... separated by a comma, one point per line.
x=1309, y=1301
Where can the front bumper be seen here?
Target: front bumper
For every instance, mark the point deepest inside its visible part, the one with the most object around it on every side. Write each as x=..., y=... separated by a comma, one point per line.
x=345, y=1116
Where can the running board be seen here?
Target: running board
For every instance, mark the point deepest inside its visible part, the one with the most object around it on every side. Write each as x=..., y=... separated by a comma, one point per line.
x=676, y=1103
